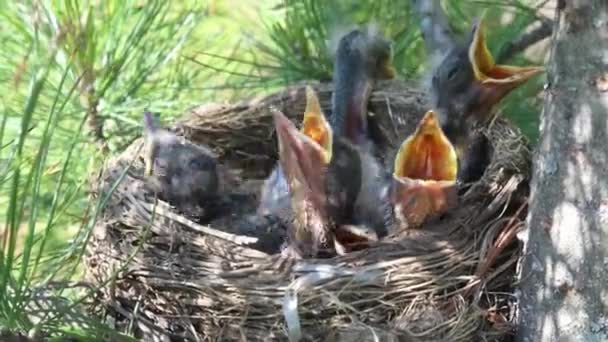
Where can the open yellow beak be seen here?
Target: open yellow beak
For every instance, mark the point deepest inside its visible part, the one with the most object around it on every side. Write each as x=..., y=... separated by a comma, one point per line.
x=427, y=154
x=424, y=174
x=315, y=125
x=504, y=77
x=302, y=160
x=305, y=154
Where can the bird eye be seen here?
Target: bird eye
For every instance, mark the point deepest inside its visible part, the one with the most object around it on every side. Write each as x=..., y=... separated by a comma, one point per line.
x=195, y=164
x=453, y=72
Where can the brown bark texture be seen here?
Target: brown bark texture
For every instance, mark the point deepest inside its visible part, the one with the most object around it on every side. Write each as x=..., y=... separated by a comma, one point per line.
x=564, y=271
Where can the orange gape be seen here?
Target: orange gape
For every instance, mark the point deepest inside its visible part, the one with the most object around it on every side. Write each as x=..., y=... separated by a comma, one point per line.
x=427, y=154
x=314, y=124
x=487, y=71
x=312, y=127
x=424, y=174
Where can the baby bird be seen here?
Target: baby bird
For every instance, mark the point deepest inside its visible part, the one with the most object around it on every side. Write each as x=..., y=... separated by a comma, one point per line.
x=191, y=179
x=424, y=176
x=320, y=197
x=465, y=88
x=185, y=175
x=304, y=163
x=275, y=198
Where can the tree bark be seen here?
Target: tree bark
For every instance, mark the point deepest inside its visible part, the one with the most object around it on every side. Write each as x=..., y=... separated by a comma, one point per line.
x=564, y=271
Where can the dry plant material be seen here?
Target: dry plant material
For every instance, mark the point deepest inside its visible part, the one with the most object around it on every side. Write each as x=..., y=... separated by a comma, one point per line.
x=417, y=284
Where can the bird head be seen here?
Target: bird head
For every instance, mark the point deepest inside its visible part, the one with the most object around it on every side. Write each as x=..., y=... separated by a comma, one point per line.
x=182, y=171
x=368, y=51
x=362, y=57
x=468, y=83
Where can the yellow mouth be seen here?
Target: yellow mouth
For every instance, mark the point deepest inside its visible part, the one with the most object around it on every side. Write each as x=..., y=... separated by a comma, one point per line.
x=315, y=125
x=487, y=71
x=427, y=154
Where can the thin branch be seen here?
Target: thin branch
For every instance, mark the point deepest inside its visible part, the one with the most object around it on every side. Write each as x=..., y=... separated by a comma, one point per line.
x=439, y=36
x=526, y=40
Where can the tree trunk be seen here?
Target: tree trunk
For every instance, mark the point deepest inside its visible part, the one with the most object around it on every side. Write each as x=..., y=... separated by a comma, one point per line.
x=564, y=272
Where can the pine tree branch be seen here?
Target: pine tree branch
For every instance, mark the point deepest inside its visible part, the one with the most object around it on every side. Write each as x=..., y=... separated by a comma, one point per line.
x=526, y=40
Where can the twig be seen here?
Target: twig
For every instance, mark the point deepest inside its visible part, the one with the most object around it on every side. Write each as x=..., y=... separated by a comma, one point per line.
x=238, y=239
x=526, y=40
x=390, y=115
x=502, y=241
x=439, y=36
x=147, y=322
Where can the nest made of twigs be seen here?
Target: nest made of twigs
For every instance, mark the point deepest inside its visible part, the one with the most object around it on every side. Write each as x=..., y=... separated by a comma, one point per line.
x=174, y=279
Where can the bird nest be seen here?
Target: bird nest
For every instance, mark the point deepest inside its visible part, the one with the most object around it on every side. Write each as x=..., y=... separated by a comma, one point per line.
x=163, y=276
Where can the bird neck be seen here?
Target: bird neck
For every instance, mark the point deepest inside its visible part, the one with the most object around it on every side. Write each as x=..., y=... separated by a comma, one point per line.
x=373, y=207
x=352, y=89
x=343, y=179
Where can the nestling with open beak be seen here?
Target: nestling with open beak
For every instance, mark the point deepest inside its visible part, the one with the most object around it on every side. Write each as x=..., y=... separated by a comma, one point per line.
x=183, y=174
x=321, y=198
x=303, y=162
x=424, y=176
x=275, y=197
x=465, y=88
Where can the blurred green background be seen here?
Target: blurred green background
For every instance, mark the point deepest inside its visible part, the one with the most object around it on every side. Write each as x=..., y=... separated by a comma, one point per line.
x=75, y=77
